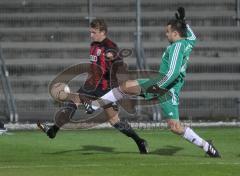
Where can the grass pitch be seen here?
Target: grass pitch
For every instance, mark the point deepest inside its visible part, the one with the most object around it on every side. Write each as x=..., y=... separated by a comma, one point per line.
x=108, y=152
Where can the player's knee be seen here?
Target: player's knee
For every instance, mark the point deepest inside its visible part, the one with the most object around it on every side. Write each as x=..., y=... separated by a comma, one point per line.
x=176, y=130
x=123, y=87
x=130, y=87
x=64, y=116
x=112, y=116
x=113, y=120
x=175, y=127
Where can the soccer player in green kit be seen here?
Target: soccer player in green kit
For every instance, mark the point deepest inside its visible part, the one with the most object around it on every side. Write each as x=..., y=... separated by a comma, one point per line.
x=171, y=77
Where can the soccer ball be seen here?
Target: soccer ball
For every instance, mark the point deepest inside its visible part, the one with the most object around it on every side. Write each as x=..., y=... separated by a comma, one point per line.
x=59, y=91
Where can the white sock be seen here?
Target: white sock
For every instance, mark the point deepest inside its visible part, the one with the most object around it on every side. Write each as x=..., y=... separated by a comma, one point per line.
x=192, y=137
x=205, y=146
x=109, y=96
x=112, y=96
x=95, y=107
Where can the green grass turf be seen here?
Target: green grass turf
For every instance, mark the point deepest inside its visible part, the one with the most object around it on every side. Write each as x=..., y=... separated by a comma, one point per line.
x=108, y=152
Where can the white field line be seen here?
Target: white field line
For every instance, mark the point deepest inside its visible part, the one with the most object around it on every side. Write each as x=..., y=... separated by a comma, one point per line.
x=116, y=165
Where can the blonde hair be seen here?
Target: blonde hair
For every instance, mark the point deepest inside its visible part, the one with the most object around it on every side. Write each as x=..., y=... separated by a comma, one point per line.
x=99, y=24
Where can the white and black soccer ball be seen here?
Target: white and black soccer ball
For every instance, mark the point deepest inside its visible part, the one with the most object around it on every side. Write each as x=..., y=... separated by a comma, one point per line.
x=59, y=91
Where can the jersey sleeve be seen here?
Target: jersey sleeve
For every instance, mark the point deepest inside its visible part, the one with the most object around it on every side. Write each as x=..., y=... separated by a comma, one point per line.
x=191, y=36
x=171, y=69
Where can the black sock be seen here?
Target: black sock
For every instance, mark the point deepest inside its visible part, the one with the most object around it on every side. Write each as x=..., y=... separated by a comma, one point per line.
x=64, y=115
x=55, y=128
x=126, y=129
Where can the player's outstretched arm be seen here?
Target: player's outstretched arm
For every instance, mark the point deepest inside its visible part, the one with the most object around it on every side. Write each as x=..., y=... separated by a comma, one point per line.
x=181, y=16
x=190, y=34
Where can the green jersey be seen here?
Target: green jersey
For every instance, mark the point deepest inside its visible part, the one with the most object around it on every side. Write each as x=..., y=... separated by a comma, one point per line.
x=171, y=74
x=175, y=60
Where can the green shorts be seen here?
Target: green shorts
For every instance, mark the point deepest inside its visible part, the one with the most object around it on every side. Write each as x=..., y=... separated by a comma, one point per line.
x=169, y=108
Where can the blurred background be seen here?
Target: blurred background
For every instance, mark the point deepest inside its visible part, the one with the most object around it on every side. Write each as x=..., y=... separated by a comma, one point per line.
x=39, y=39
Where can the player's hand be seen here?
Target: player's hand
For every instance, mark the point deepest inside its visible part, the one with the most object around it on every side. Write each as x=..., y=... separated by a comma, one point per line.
x=109, y=56
x=180, y=15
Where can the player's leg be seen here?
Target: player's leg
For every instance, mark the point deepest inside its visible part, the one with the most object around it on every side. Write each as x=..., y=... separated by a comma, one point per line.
x=62, y=117
x=191, y=136
x=125, y=128
x=130, y=87
x=171, y=112
x=65, y=114
x=126, y=89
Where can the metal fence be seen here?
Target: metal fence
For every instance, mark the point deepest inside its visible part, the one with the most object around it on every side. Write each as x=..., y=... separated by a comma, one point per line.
x=41, y=38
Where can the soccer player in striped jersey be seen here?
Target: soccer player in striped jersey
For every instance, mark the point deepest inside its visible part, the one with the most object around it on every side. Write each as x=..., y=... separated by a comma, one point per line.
x=103, y=53
x=171, y=77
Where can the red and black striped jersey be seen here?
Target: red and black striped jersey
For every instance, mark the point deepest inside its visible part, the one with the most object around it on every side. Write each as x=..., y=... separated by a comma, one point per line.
x=100, y=65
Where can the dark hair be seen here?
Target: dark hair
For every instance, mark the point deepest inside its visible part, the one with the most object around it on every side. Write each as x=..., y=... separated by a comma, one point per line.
x=99, y=24
x=179, y=26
